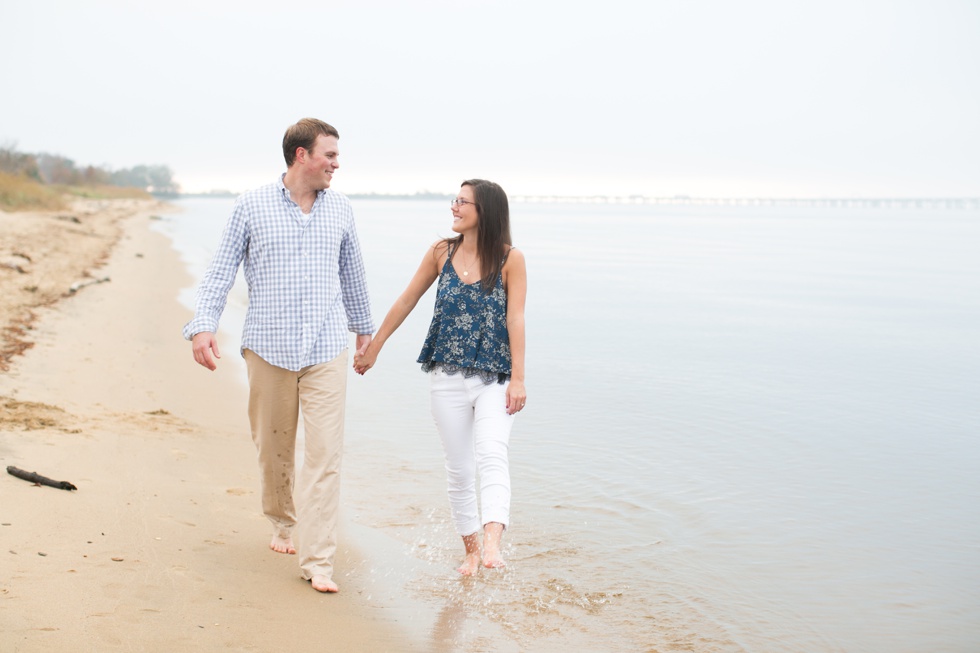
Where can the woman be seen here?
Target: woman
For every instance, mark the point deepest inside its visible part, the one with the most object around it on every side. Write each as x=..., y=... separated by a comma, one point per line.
x=474, y=354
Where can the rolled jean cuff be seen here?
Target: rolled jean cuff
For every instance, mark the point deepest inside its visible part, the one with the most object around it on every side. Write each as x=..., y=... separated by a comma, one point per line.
x=496, y=517
x=469, y=528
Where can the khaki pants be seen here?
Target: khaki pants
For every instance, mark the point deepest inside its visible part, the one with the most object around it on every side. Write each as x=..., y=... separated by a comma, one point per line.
x=276, y=397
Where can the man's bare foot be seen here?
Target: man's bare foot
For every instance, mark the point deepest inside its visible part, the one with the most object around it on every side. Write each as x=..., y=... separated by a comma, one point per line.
x=324, y=584
x=470, y=564
x=492, y=533
x=282, y=544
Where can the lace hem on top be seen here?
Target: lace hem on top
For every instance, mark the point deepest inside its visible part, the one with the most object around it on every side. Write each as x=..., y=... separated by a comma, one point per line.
x=486, y=376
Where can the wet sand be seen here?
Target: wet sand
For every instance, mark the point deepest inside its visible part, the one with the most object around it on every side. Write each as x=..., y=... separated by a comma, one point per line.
x=162, y=547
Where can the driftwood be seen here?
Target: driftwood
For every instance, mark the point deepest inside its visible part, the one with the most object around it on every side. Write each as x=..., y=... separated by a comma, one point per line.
x=34, y=477
x=78, y=285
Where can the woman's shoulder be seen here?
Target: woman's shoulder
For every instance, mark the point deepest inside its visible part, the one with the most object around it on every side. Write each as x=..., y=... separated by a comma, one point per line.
x=513, y=256
x=441, y=248
x=513, y=268
x=439, y=251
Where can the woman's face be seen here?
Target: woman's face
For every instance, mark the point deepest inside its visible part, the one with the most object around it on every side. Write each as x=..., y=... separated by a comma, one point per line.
x=465, y=215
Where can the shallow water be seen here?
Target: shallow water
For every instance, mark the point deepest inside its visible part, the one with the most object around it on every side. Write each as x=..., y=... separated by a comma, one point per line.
x=748, y=429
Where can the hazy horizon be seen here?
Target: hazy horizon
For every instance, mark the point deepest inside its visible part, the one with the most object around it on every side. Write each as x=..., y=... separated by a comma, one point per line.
x=705, y=99
x=424, y=195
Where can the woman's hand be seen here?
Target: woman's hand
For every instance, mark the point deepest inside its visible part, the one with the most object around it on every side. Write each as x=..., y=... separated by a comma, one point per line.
x=365, y=359
x=516, y=396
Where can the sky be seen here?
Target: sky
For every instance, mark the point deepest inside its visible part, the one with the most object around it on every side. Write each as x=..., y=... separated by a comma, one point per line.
x=781, y=98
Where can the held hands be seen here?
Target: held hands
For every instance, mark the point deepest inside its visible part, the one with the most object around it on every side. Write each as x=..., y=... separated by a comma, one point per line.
x=516, y=397
x=203, y=344
x=365, y=356
x=364, y=361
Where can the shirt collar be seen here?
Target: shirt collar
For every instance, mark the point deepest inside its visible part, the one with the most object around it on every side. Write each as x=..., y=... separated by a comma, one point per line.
x=284, y=192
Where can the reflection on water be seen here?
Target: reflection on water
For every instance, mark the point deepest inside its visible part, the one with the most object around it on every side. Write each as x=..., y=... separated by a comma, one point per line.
x=748, y=429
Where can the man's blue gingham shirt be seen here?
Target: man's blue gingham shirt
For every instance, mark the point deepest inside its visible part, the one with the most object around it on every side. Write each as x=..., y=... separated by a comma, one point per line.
x=306, y=283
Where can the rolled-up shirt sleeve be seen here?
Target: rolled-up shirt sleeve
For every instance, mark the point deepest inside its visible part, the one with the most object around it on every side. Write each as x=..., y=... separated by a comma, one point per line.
x=212, y=294
x=353, y=284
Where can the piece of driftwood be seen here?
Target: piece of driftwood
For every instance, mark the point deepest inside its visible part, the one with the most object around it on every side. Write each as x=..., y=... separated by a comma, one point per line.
x=78, y=285
x=34, y=477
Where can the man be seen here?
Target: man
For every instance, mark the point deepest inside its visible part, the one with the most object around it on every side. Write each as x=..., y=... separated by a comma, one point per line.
x=306, y=291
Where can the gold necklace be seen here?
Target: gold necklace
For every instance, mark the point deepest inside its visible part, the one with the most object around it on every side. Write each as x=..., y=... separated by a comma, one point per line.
x=466, y=268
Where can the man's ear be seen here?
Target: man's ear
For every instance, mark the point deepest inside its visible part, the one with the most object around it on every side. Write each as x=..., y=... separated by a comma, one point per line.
x=301, y=154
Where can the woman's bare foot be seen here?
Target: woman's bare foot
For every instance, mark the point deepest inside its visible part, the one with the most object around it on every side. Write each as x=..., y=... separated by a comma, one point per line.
x=472, y=561
x=492, y=534
x=282, y=544
x=324, y=584
x=470, y=564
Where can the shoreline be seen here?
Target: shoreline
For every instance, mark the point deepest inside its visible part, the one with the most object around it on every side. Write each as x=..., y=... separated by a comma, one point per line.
x=163, y=547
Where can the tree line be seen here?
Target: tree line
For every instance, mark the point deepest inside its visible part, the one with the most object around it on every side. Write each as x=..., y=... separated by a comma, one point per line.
x=58, y=170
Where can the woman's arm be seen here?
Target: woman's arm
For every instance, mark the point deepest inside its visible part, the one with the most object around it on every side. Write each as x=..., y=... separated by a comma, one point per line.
x=515, y=283
x=427, y=273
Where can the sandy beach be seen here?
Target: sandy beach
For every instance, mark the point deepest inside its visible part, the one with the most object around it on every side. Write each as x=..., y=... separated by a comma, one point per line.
x=163, y=546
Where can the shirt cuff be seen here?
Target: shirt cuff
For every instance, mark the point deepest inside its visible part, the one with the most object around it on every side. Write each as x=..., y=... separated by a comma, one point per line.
x=361, y=328
x=199, y=325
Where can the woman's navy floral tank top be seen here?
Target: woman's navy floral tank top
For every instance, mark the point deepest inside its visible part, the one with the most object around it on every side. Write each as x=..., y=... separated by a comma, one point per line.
x=468, y=332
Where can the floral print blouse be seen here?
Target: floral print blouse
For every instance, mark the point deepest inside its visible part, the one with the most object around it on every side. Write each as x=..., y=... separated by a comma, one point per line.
x=468, y=332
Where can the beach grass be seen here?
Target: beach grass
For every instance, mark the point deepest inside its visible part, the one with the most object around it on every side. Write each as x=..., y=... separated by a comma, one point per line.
x=105, y=192
x=21, y=193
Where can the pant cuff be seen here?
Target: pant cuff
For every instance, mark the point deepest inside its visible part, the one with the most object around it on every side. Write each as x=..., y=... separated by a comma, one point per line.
x=499, y=517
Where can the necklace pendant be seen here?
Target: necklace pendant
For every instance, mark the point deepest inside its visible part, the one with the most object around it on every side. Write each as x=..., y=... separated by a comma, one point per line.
x=466, y=273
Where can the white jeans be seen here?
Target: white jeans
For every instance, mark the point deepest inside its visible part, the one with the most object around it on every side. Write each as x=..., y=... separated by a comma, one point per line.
x=475, y=430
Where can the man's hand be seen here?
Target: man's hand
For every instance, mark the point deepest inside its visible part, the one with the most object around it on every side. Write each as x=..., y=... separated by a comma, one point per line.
x=203, y=344
x=363, y=343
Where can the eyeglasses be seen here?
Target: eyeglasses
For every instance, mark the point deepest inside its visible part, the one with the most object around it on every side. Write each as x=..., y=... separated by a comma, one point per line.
x=458, y=202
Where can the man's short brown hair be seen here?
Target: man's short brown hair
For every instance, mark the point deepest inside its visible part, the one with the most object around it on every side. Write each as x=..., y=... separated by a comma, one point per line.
x=304, y=134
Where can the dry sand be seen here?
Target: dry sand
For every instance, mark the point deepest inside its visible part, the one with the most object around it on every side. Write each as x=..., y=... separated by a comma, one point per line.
x=162, y=547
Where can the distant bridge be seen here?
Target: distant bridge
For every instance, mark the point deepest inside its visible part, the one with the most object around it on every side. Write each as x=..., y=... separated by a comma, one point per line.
x=682, y=200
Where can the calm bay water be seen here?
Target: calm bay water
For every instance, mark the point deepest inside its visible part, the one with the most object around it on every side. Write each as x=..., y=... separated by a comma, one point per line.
x=748, y=429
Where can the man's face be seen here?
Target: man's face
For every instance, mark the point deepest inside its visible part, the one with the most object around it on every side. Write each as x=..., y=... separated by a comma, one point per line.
x=321, y=161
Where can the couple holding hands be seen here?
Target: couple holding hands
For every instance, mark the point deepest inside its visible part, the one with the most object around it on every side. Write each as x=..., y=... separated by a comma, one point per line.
x=307, y=290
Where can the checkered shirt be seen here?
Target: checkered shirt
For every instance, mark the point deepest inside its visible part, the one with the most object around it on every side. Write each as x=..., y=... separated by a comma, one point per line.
x=306, y=283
